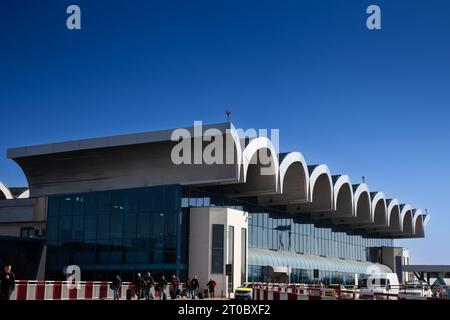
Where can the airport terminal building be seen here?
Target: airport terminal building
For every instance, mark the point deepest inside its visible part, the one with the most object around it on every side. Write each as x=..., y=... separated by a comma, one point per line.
x=120, y=204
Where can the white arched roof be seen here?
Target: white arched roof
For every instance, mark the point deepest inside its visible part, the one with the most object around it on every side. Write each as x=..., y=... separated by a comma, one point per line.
x=5, y=191
x=359, y=191
x=379, y=202
x=251, y=150
x=406, y=213
x=419, y=217
x=394, y=208
x=315, y=172
x=339, y=182
x=290, y=159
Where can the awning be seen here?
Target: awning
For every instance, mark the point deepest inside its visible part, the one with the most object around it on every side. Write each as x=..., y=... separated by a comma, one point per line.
x=265, y=257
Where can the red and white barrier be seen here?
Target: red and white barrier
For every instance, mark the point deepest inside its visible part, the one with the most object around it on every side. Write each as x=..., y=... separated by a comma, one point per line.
x=60, y=290
x=270, y=292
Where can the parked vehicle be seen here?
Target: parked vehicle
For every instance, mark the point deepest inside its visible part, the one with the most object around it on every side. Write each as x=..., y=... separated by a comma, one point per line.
x=416, y=290
x=244, y=292
x=378, y=286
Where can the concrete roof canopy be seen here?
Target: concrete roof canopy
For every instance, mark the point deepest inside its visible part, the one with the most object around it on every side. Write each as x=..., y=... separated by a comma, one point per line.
x=260, y=168
x=293, y=181
x=394, y=215
x=320, y=188
x=285, y=179
x=379, y=209
x=406, y=216
x=294, y=176
x=362, y=203
x=343, y=196
x=418, y=217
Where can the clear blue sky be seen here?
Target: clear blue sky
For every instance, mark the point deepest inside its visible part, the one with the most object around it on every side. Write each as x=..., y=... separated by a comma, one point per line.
x=372, y=103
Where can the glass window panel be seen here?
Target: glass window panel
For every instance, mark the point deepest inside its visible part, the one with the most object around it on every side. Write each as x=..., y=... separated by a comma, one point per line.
x=104, y=202
x=143, y=226
x=130, y=226
x=52, y=228
x=116, y=226
x=78, y=227
x=65, y=226
x=103, y=227
x=53, y=206
x=78, y=204
x=91, y=204
x=90, y=227
x=66, y=206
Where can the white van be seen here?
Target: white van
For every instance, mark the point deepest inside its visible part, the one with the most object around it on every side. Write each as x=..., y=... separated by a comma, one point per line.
x=384, y=283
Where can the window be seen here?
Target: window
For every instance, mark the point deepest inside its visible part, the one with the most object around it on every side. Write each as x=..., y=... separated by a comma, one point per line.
x=27, y=232
x=217, y=248
x=243, y=255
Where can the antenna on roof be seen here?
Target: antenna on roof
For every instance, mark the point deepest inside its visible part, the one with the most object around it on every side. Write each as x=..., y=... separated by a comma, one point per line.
x=363, y=179
x=228, y=113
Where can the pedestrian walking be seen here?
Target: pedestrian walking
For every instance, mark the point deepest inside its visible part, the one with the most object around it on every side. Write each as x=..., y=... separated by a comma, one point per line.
x=7, y=282
x=116, y=285
x=139, y=285
x=174, y=283
x=148, y=285
x=211, y=286
x=194, y=285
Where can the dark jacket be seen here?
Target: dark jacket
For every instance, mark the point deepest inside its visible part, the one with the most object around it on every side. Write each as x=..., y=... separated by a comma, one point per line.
x=139, y=283
x=194, y=284
x=148, y=281
x=7, y=283
x=211, y=285
x=117, y=283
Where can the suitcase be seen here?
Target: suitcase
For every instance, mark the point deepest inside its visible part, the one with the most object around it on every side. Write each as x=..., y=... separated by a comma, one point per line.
x=129, y=293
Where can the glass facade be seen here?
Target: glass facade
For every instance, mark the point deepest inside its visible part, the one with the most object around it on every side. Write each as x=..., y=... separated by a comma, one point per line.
x=120, y=231
x=147, y=229
x=284, y=234
x=275, y=230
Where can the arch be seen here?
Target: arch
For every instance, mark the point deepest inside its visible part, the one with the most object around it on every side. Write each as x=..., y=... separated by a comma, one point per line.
x=256, y=175
x=343, y=196
x=393, y=209
x=24, y=195
x=320, y=188
x=294, y=176
x=362, y=203
x=406, y=219
x=379, y=209
x=419, y=231
x=5, y=193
